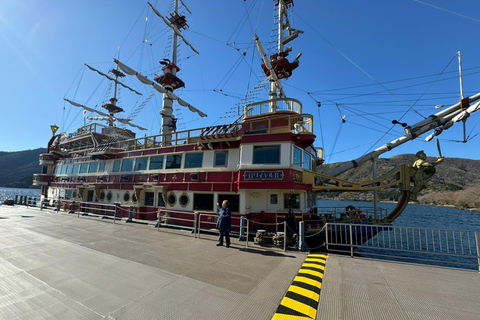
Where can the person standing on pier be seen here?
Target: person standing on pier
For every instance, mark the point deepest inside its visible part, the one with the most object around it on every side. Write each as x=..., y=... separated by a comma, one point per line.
x=224, y=223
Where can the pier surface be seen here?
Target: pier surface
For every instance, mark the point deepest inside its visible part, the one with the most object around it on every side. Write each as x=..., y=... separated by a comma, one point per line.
x=59, y=266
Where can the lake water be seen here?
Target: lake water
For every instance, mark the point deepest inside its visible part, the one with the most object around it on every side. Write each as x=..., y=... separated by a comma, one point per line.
x=10, y=193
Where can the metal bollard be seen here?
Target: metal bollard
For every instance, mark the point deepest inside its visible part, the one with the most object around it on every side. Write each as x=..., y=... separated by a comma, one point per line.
x=301, y=239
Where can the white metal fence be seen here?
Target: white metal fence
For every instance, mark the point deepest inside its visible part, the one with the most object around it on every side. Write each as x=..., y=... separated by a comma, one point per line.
x=447, y=247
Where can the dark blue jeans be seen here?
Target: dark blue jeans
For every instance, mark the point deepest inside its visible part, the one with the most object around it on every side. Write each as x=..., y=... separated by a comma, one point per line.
x=227, y=237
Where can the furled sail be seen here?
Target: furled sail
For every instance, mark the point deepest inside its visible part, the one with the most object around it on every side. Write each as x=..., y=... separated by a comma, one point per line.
x=157, y=87
x=73, y=103
x=113, y=79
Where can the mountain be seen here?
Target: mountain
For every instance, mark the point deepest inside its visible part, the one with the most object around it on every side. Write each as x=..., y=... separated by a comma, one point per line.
x=17, y=168
x=456, y=181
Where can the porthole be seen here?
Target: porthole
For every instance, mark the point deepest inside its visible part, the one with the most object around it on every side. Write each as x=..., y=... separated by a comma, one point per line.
x=183, y=200
x=109, y=196
x=172, y=199
x=102, y=195
x=126, y=196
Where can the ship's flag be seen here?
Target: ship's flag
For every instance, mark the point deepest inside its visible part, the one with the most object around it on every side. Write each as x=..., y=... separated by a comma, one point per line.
x=84, y=112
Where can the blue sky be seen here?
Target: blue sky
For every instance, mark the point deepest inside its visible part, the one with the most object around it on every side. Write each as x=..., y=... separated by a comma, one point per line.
x=354, y=55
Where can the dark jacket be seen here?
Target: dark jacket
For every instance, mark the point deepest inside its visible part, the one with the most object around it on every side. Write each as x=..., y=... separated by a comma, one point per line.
x=224, y=222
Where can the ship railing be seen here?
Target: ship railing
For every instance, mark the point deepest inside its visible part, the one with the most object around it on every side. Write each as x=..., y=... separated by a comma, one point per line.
x=207, y=222
x=157, y=141
x=104, y=211
x=297, y=124
x=444, y=247
x=275, y=105
x=341, y=214
x=177, y=219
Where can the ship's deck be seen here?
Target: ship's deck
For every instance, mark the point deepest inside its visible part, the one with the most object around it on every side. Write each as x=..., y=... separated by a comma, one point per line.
x=58, y=266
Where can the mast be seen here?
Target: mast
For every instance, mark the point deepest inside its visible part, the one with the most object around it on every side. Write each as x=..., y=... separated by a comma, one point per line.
x=278, y=67
x=169, y=79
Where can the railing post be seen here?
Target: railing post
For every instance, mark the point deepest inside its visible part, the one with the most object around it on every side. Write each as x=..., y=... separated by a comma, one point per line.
x=199, y=222
x=195, y=224
x=301, y=239
x=351, y=241
x=248, y=226
x=115, y=213
x=478, y=248
x=285, y=236
x=242, y=231
x=326, y=235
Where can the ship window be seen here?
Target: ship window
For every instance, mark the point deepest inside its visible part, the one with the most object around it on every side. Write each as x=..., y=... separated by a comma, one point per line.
x=126, y=197
x=149, y=196
x=93, y=167
x=266, y=154
x=84, y=168
x=297, y=156
x=58, y=170
x=160, y=201
x=116, y=166
x=69, y=169
x=194, y=160
x=172, y=199
x=221, y=158
x=173, y=161
x=141, y=164
x=68, y=194
x=203, y=201
x=183, y=200
x=101, y=166
x=75, y=168
x=44, y=169
x=74, y=194
x=307, y=161
x=64, y=169
x=293, y=198
x=127, y=165
x=233, y=200
x=156, y=163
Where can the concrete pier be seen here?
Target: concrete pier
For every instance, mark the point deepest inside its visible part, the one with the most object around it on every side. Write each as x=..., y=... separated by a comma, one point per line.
x=59, y=266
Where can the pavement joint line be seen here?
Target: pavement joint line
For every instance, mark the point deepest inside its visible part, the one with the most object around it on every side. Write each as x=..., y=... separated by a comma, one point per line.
x=301, y=299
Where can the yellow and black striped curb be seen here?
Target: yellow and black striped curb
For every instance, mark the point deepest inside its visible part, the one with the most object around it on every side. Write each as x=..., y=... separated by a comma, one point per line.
x=301, y=299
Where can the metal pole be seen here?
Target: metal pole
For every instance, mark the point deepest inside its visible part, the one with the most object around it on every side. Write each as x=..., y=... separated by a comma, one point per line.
x=195, y=224
x=326, y=234
x=301, y=230
x=478, y=250
x=159, y=213
x=351, y=241
x=242, y=230
x=284, y=235
x=375, y=192
x=248, y=229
